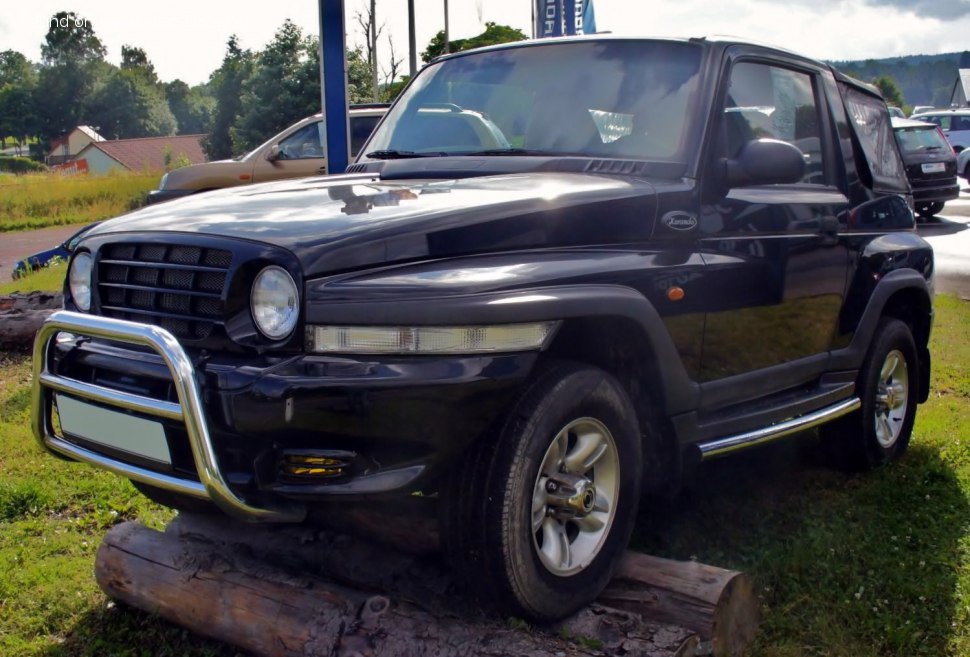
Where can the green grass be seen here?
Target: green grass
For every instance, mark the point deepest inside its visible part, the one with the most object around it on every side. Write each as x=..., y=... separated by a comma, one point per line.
x=50, y=199
x=873, y=565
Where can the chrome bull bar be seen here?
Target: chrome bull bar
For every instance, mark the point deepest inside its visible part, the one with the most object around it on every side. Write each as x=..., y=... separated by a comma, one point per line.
x=189, y=410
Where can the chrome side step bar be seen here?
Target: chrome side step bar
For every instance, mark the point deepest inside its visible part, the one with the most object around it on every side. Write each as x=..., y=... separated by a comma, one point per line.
x=189, y=410
x=722, y=446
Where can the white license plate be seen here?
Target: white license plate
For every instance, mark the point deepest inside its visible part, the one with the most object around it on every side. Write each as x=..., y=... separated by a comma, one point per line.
x=934, y=167
x=114, y=429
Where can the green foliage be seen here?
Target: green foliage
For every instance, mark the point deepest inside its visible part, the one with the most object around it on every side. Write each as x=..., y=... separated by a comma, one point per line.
x=71, y=39
x=135, y=59
x=890, y=90
x=19, y=165
x=192, y=107
x=283, y=87
x=492, y=35
x=128, y=105
x=16, y=69
x=226, y=83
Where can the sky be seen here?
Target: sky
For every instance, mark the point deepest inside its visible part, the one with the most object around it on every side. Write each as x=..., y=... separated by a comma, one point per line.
x=186, y=39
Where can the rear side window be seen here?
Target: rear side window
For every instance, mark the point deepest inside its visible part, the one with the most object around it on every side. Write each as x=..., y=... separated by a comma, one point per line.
x=870, y=121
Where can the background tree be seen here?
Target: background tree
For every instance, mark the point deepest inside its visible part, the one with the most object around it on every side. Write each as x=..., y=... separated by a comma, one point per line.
x=128, y=106
x=284, y=86
x=890, y=90
x=135, y=59
x=226, y=83
x=492, y=35
x=193, y=107
x=18, y=82
x=72, y=64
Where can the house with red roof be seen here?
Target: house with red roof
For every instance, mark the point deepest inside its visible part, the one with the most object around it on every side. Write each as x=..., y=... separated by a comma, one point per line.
x=68, y=146
x=146, y=153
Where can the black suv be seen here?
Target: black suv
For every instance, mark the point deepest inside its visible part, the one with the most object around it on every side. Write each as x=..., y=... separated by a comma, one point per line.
x=931, y=165
x=560, y=273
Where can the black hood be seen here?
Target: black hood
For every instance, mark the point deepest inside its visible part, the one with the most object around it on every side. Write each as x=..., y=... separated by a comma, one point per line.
x=346, y=222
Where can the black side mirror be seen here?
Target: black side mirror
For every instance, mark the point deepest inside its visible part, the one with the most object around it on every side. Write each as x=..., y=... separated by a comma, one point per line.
x=765, y=162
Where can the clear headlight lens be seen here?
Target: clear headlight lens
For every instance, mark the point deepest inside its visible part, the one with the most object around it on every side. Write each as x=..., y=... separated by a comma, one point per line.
x=275, y=303
x=79, y=280
x=163, y=182
x=428, y=339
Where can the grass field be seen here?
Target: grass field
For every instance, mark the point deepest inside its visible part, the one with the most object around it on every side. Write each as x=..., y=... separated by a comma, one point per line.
x=50, y=199
x=45, y=279
x=874, y=565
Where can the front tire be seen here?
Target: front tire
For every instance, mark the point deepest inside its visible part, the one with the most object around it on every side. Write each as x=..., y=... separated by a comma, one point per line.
x=879, y=432
x=927, y=210
x=535, y=520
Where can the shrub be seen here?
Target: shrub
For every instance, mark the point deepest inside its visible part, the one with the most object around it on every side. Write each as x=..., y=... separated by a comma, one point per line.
x=19, y=165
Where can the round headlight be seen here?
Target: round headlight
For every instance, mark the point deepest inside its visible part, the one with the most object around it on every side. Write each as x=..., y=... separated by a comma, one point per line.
x=275, y=303
x=79, y=280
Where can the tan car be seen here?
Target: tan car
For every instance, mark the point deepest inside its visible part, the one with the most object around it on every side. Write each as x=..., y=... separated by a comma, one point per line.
x=295, y=152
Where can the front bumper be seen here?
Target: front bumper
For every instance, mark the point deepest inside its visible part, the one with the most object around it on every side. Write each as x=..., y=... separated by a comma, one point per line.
x=231, y=423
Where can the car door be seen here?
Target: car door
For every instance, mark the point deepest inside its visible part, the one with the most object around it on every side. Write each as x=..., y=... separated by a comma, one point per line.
x=299, y=153
x=776, y=268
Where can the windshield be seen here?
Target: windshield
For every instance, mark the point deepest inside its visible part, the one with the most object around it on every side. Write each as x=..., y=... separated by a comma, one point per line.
x=618, y=99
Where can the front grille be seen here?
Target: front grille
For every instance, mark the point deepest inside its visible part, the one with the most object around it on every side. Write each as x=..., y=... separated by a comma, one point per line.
x=180, y=288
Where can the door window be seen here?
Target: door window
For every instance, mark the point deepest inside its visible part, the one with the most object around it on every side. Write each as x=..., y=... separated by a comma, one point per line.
x=305, y=143
x=777, y=103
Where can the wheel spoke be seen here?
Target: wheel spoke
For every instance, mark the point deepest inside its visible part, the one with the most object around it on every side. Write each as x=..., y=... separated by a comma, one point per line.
x=588, y=449
x=556, y=454
x=889, y=367
x=884, y=430
x=591, y=523
x=555, y=544
x=538, y=504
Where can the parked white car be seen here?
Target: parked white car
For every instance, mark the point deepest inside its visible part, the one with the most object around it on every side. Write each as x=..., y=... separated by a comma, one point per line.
x=955, y=124
x=963, y=164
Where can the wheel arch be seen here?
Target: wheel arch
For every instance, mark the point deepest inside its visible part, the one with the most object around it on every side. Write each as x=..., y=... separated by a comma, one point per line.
x=907, y=296
x=619, y=346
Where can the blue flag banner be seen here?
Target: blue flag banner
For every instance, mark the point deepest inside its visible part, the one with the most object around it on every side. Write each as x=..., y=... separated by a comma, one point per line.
x=559, y=17
x=589, y=17
x=549, y=18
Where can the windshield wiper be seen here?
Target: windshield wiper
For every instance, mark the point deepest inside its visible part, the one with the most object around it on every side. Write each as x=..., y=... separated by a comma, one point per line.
x=398, y=155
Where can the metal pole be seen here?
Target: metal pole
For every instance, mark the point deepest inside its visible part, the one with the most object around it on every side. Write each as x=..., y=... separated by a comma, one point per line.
x=413, y=59
x=333, y=84
x=373, y=49
x=447, y=38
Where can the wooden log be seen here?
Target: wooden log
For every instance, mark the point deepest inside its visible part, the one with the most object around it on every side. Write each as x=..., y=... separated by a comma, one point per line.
x=718, y=604
x=21, y=315
x=222, y=591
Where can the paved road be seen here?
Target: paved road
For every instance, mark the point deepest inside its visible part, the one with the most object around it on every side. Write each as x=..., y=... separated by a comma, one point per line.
x=17, y=245
x=949, y=234
x=950, y=237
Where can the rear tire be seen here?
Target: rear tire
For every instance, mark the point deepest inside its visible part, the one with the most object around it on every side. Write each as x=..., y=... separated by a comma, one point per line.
x=888, y=386
x=927, y=210
x=536, y=517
